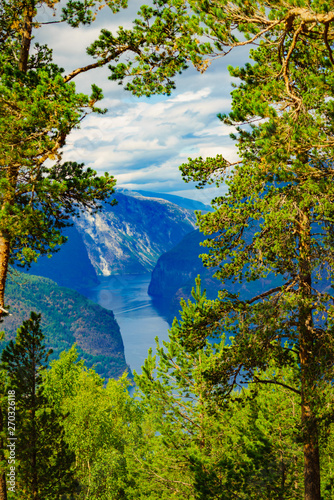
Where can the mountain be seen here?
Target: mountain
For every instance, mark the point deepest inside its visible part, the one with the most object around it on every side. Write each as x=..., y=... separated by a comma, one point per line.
x=174, y=274
x=70, y=266
x=129, y=238
x=124, y=239
x=67, y=317
x=174, y=277
x=177, y=200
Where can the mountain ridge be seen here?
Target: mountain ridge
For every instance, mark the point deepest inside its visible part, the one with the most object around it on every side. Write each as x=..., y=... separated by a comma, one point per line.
x=129, y=237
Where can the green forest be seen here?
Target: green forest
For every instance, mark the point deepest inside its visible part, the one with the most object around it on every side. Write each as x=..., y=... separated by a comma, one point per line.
x=239, y=403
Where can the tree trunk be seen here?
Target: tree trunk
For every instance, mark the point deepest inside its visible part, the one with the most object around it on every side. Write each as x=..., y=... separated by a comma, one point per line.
x=307, y=365
x=29, y=12
x=309, y=424
x=4, y=258
x=3, y=487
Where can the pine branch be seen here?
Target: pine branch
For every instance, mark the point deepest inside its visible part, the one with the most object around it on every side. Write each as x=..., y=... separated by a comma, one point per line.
x=257, y=380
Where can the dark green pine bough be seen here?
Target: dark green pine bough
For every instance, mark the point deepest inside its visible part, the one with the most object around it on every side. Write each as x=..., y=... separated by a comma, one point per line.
x=39, y=106
x=278, y=216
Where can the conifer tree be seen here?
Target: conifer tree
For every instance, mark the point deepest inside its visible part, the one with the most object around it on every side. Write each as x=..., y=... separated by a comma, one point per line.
x=210, y=441
x=277, y=221
x=281, y=193
x=44, y=461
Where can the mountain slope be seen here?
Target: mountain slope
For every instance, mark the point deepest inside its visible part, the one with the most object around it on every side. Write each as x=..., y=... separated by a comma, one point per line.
x=67, y=317
x=177, y=200
x=129, y=237
x=174, y=276
x=70, y=266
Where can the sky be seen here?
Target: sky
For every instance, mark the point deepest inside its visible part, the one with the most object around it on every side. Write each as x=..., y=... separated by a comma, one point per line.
x=142, y=141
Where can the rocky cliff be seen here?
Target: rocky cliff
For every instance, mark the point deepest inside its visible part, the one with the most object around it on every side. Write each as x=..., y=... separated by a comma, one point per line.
x=174, y=276
x=177, y=267
x=129, y=238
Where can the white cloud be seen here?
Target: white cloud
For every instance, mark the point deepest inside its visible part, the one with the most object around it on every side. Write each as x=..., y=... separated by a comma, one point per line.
x=192, y=96
x=143, y=141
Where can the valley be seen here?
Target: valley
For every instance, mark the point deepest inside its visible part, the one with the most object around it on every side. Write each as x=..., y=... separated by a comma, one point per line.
x=101, y=275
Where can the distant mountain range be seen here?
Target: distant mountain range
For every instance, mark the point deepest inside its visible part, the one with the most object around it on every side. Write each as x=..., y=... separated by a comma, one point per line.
x=177, y=200
x=125, y=239
x=70, y=266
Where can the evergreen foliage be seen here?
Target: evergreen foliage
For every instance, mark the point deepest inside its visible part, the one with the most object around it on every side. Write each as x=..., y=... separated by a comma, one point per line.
x=240, y=443
x=44, y=461
x=280, y=196
x=280, y=192
x=38, y=109
x=180, y=437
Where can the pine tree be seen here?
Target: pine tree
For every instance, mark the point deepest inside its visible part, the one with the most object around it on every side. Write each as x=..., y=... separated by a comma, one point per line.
x=44, y=462
x=277, y=220
x=209, y=441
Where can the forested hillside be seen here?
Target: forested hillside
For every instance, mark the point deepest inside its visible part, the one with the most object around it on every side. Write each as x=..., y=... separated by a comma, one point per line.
x=67, y=318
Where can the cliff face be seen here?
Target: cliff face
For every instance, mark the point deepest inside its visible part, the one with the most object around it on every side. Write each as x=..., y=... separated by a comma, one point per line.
x=124, y=239
x=174, y=276
x=129, y=238
x=177, y=267
x=67, y=317
x=70, y=266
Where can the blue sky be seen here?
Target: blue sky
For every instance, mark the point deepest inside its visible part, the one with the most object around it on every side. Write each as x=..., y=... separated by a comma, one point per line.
x=143, y=141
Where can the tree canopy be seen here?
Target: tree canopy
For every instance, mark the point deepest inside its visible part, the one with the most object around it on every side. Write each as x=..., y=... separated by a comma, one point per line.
x=42, y=464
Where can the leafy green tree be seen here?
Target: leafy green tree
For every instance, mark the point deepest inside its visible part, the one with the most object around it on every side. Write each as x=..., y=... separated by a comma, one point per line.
x=101, y=424
x=43, y=458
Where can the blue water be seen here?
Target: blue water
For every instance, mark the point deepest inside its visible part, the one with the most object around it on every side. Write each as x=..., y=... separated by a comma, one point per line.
x=139, y=321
